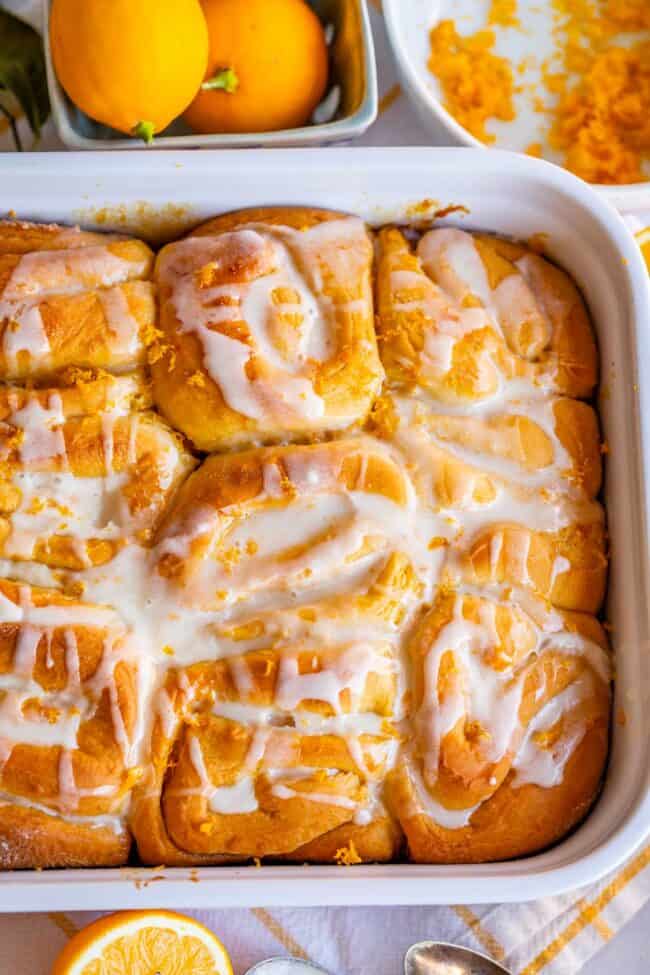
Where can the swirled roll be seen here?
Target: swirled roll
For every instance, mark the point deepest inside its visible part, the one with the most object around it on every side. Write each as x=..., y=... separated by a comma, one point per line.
x=267, y=322
x=72, y=688
x=510, y=719
x=69, y=298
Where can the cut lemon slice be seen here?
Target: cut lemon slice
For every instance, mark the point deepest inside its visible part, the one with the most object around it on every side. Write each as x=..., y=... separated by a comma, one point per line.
x=144, y=943
x=643, y=240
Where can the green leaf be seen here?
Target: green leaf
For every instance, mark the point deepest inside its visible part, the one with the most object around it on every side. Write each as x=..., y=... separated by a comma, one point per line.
x=22, y=70
x=226, y=80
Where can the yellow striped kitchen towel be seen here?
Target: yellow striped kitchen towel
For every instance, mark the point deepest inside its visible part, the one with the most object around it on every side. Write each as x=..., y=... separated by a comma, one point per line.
x=555, y=936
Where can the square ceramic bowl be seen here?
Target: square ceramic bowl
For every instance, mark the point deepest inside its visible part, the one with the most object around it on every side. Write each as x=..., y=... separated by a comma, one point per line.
x=161, y=195
x=408, y=23
x=352, y=68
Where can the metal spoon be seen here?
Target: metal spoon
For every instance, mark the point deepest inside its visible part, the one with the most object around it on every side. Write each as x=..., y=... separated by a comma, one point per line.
x=440, y=958
x=423, y=958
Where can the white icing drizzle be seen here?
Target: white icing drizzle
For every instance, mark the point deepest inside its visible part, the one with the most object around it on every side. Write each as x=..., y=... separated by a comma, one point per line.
x=120, y=319
x=545, y=766
x=116, y=824
x=42, y=430
x=54, y=501
x=281, y=791
x=42, y=274
x=491, y=696
x=513, y=322
x=30, y=715
x=264, y=335
x=349, y=671
x=228, y=799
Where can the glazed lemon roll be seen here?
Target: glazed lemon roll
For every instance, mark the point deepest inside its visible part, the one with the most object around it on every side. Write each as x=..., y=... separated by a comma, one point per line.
x=75, y=490
x=72, y=686
x=510, y=719
x=267, y=322
x=472, y=318
x=230, y=783
x=72, y=299
x=281, y=747
x=550, y=442
x=540, y=530
x=281, y=522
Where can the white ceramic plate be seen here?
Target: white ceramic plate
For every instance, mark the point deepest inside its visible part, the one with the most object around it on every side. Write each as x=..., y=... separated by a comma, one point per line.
x=408, y=23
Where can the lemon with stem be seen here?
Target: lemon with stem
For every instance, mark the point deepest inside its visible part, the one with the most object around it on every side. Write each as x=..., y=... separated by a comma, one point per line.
x=132, y=66
x=267, y=68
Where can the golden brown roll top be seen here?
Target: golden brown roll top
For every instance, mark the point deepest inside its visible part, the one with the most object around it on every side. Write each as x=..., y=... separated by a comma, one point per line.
x=72, y=299
x=237, y=791
x=267, y=322
x=23, y=237
x=510, y=717
x=471, y=318
x=492, y=521
x=550, y=442
x=281, y=522
x=280, y=748
x=497, y=532
x=74, y=490
x=566, y=567
x=72, y=688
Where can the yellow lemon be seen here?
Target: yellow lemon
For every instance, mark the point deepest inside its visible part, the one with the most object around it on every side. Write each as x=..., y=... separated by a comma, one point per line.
x=133, y=66
x=267, y=68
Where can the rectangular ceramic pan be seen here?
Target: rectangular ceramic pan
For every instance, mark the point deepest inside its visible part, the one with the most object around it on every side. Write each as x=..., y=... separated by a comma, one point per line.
x=510, y=194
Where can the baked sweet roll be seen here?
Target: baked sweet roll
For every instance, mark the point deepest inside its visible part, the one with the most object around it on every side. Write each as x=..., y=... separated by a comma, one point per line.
x=68, y=298
x=478, y=337
x=471, y=318
x=268, y=333
x=537, y=532
x=547, y=443
x=73, y=687
x=276, y=753
x=74, y=489
x=534, y=529
x=510, y=729
x=279, y=523
x=302, y=568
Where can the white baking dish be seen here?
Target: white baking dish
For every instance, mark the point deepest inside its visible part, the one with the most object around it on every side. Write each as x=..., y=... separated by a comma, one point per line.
x=503, y=192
